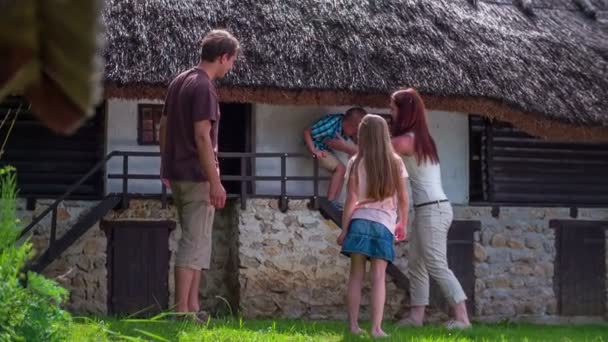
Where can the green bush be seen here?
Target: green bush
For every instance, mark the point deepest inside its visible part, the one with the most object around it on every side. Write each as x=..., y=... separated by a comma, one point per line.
x=27, y=312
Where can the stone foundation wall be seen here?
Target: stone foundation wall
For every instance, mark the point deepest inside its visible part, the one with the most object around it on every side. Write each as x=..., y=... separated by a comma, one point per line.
x=514, y=259
x=82, y=269
x=290, y=264
x=273, y=264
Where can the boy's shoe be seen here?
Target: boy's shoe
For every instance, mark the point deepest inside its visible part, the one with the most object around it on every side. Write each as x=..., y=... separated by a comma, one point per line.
x=337, y=205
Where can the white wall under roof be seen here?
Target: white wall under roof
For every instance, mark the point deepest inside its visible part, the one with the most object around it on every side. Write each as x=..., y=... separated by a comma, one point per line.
x=279, y=129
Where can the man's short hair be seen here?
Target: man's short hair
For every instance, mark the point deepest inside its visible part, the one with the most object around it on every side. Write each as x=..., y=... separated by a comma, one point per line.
x=218, y=43
x=354, y=112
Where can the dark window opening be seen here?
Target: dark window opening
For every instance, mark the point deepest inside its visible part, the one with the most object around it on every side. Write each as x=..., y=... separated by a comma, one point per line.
x=236, y=134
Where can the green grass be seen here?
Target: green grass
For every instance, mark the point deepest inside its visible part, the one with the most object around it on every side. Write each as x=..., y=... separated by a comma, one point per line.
x=295, y=330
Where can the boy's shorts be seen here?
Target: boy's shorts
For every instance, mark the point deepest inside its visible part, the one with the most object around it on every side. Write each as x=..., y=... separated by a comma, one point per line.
x=329, y=162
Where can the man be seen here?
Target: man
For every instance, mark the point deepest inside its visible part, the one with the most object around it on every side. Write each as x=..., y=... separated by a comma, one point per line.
x=188, y=144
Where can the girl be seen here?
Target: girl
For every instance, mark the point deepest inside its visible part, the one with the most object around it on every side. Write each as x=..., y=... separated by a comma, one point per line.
x=433, y=212
x=375, y=178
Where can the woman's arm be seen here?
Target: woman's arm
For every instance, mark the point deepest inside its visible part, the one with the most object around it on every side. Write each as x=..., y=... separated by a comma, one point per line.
x=404, y=144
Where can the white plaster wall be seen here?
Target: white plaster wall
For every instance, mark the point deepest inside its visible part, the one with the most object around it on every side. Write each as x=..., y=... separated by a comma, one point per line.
x=122, y=136
x=451, y=133
x=280, y=129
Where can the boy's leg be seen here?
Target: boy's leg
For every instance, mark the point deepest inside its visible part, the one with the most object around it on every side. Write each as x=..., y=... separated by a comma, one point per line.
x=336, y=182
x=378, y=274
x=333, y=165
x=353, y=297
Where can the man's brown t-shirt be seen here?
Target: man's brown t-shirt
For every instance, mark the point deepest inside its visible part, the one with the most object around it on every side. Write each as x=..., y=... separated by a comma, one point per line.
x=191, y=97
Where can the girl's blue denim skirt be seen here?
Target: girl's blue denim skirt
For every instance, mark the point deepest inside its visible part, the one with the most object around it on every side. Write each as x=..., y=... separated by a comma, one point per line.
x=369, y=238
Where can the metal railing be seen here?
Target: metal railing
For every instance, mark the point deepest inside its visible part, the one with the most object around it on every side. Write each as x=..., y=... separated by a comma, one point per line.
x=244, y=178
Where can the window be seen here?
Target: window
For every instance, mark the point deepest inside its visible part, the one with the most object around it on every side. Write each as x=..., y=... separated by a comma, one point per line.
x=149, y=123
x=508, y=166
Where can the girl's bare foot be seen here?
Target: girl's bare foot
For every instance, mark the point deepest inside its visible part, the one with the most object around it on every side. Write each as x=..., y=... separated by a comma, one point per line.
x=356, y=330
x=378, y=333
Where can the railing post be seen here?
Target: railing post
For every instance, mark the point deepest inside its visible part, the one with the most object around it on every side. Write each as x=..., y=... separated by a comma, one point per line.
x=315, y=197
x=283, y=200
x=53, y=232
x=125, y=184
x=163, y=196
x=243, y=184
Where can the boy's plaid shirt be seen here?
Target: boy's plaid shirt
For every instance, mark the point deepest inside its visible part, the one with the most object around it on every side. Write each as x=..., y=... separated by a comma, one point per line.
x=327, y=127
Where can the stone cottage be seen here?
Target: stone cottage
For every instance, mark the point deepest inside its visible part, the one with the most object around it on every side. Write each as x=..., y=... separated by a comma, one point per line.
x=517, y=94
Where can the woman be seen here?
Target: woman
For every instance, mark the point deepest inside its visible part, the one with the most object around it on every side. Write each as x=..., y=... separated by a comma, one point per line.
x=433, y=212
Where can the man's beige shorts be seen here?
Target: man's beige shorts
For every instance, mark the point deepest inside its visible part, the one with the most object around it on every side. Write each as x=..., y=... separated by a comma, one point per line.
x=195, y=214
x=329, y=162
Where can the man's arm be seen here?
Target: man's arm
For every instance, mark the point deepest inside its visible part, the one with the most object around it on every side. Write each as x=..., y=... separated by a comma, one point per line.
x=206, y=156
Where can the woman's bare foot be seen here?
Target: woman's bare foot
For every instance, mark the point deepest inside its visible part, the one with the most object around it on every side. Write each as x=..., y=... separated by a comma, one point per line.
x=408, y=322
x=378, y=333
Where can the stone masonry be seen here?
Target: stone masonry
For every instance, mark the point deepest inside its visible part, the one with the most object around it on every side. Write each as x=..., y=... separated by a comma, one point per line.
x=272, y=264
x=290, y=264
x=82, y=268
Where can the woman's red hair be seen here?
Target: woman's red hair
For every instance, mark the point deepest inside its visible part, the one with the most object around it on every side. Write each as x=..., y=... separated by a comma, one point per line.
x=411, y=118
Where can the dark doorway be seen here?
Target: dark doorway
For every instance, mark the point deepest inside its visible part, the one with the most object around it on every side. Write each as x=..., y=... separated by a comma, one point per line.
x=580, y=267
x=138, y=266
x=235, y=135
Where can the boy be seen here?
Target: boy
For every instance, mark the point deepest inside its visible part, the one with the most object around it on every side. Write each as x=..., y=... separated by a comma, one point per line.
x=328, y=134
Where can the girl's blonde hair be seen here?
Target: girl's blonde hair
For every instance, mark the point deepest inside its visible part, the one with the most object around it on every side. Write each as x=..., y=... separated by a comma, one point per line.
x=381, y=164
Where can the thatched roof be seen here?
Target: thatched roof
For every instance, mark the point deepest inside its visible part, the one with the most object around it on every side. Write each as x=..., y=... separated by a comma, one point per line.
x=541, y=64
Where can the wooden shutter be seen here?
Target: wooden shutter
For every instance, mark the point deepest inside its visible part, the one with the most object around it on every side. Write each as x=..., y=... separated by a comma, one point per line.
x=581, y=267
x=48, y=164
x=138, y=266
x=509, y=166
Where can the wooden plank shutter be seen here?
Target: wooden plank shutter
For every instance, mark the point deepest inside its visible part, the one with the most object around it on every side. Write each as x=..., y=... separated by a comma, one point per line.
x=581, y=267
x=138, y=266
x=516, y=168
x=48, y=164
